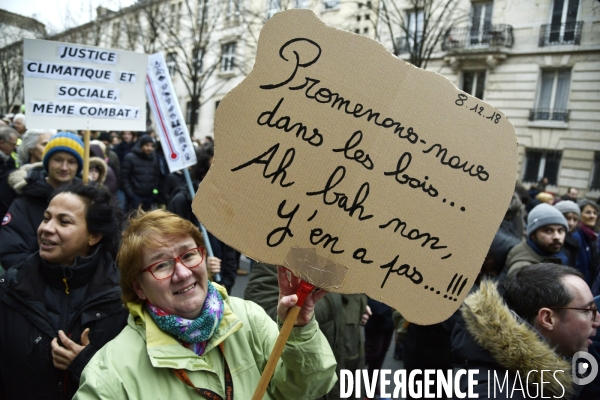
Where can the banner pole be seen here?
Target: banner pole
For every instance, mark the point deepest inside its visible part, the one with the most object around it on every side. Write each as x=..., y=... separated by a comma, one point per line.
x=207, y=244
x=86, y=157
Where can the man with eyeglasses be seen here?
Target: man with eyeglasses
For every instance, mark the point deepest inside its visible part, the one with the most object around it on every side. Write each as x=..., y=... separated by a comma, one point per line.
x=528, y=334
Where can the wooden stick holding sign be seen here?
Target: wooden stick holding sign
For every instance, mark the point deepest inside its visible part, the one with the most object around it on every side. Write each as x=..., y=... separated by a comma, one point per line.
x=86, y=157
x=304, y=289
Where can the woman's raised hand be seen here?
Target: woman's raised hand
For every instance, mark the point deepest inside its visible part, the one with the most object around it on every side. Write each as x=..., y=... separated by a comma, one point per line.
x=288, y=298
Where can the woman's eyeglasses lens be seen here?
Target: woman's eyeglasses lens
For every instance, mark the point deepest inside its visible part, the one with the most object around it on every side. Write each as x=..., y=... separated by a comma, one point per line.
x=165, y=268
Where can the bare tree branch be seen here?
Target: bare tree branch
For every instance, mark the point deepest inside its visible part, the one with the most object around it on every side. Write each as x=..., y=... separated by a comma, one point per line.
x=417, y=27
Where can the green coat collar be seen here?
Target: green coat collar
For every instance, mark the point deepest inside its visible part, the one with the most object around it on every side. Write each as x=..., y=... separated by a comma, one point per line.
x=166, y=352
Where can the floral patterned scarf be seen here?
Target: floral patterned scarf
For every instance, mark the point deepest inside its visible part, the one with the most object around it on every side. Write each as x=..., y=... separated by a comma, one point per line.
x=193, y=334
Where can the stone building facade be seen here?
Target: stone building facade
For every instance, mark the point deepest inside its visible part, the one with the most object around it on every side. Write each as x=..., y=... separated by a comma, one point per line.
x=537, y=62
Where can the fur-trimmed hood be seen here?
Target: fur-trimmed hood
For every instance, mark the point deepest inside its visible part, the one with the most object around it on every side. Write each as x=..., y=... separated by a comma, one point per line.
x=98, y=162
x=511, y=342
x=18, y=179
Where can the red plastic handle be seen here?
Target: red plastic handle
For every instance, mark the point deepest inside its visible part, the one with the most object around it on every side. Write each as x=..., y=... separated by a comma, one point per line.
x=304, y=289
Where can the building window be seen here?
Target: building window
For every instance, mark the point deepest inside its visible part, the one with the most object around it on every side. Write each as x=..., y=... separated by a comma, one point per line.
x=541, y=163
x=132, y=31
x=228, y=57
x=116, y=33
x=563, y=25
x=553, y=95
x=474, y=83
x=595, y=184
x=172, y=63
x=191, y=115
x=365, y=31
x=415, y=29
x=331, y=4
x=175, y=16
x=302, y=4
x=232, y=10
x=481, y=20
x=85, y=37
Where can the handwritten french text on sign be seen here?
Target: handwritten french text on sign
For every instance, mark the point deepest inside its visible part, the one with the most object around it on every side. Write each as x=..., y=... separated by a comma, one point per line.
x=333, y=143
x=68, y=86
x=170, y=125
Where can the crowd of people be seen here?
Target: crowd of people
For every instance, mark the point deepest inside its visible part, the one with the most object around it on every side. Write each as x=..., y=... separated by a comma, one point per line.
x=108, y=291
x=106, y=294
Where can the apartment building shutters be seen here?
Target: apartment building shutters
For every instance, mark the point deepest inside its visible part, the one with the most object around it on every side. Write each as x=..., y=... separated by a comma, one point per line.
x=553, y=96
x=474, y=83
x=542, y=163
x=564, y=18
x=481, y=20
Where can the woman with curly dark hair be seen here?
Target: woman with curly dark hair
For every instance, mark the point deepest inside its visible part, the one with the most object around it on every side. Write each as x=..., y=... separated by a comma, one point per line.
x=62, y=304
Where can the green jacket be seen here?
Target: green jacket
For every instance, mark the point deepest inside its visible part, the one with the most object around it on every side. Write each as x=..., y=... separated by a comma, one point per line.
x=338, y=316
x=522, y=255
x=139, y=363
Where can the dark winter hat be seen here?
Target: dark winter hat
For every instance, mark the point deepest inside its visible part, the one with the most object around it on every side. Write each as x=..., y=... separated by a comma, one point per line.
x=105, y=137
x=586, y=202
x=67, y=142
x=542, y=215
x=567, y=206
x=145, y=140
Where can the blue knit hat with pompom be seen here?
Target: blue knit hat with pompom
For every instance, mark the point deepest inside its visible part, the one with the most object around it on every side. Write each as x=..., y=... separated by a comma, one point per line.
x=67, y=142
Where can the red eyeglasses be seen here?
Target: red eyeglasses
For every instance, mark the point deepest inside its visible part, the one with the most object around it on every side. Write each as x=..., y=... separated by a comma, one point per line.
x=165, y=269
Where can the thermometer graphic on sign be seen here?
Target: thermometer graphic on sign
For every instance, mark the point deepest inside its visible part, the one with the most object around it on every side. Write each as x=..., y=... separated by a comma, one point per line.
x=173, y=155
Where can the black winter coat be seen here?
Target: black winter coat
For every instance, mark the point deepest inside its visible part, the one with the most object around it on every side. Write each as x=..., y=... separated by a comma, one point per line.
x=122, y=149
x=6, y=167
x=173, y=183
x=18, y=237
x=140, y=173
x=571, y=249
x=34, y=306
x=181, y=204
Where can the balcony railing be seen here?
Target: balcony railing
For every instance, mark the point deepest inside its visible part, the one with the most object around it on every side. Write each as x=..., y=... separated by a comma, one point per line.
x=549, y=114
x=557, y=34
x=470, y=38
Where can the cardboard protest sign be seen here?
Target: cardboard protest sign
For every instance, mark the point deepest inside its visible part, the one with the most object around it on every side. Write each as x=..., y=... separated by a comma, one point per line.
x=170, y=124
x=357, y=170
x=71, y=86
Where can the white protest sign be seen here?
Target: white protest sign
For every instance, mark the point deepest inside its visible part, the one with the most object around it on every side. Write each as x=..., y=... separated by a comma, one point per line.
x=170, y=125
x=357, y=170
x=71, y=86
